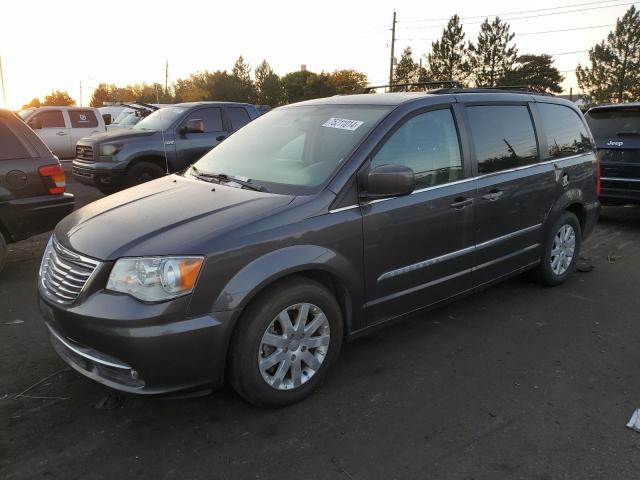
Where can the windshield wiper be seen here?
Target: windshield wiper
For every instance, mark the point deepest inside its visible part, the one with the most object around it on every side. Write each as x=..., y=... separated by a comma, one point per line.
x=224, y=178
x=622, y=134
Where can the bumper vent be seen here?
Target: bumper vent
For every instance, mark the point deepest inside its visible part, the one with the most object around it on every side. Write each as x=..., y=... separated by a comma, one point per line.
x=63, y=273
x=84, y=152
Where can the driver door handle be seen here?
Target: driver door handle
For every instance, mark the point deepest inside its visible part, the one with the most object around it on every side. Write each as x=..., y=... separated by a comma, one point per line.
x=461, y=202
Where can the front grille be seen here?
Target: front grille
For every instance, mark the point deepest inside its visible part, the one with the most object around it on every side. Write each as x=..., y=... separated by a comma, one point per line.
x=63, y=273
x=84, y=152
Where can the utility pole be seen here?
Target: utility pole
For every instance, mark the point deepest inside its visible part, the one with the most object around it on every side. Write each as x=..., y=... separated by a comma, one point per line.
x=4, y=93
x=393, y=41
x=166, y=77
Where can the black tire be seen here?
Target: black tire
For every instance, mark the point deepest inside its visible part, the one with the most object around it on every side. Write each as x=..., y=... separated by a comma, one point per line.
x=3, y=252
x=142, y=172
x=544, y=273
x=244, y=374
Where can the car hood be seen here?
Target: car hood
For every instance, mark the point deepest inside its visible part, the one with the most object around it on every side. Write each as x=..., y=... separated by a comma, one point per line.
x=119, y=134
x=169, y=216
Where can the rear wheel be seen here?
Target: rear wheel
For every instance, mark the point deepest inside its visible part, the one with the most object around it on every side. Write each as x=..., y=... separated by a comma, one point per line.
x=142, y=172
x=3, y=251
x=561, y=251
x=286, y=342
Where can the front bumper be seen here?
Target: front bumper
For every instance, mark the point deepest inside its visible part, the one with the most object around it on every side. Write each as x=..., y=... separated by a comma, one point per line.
x=25, y=217
x=97, y=174
x=139, y=348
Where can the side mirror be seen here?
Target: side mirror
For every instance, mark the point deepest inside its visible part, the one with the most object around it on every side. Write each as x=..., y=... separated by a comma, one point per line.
x=36, y=124
x=107, y=118
x=389, y=181
x=194, y=125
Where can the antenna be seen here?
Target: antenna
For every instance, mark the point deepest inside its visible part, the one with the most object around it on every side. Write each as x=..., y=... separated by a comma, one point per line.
x=164, y=144
x=4, y=93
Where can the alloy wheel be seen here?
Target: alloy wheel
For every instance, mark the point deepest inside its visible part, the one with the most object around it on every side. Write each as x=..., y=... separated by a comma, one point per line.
x=563, y=250
x=294, y=346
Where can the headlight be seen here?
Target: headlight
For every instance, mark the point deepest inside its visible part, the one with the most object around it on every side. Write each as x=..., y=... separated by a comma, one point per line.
x=154, y=279
x=108, y=149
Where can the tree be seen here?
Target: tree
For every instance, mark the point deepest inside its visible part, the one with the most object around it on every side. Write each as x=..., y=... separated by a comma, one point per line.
x=35, y=102
x=614, y=74
x=242, y=73
x=305, y=85
x=58, y=98
x=102, y=93
x=493, y=55
x=535, y=72
x=406, y=70
x=346, y=82
x=268, y=87
x=448, y=57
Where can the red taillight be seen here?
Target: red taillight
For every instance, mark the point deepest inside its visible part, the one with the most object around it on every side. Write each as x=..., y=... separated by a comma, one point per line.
x=598, y=176
x=53, y=177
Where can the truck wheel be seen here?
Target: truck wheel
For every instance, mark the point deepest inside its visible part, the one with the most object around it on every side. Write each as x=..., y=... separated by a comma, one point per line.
x=143, y=172
x=561, y=251
x=3, y=252
x=285, y=343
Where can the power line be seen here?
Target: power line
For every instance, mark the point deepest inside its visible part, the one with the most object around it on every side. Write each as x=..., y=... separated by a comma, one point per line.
x=523, y=18
x=511, y=13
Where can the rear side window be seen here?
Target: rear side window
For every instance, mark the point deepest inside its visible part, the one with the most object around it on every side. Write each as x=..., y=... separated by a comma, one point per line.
x=503, y=136
x=82, y=119
x=428, y=144
x=12, y=147
x=238, y=116
x=49, y=119
x=212, y=118
x=565, y=131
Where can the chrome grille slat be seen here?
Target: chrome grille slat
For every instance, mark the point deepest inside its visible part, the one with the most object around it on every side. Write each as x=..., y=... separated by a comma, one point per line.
x=64, y=274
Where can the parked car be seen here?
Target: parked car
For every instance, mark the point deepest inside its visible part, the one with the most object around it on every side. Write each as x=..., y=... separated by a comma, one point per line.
x=168, y=140
x=113, y=110
x=132, y=115
x=32, y=184
x=317, y=222
x=61, y=127
x=616, y=129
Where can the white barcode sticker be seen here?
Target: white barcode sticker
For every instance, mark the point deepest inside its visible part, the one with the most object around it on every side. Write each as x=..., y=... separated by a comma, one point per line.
x=342, y=123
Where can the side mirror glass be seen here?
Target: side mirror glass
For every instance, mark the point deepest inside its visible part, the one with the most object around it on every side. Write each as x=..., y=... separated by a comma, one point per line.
x=390, y=180
x=194, y=125
x=107, y=118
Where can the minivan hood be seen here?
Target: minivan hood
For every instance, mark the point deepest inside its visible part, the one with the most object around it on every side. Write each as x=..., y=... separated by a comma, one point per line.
x=169, y=216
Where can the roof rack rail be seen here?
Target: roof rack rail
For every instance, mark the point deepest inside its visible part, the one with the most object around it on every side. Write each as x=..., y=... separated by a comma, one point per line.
x=403, y=87
x=496, y=89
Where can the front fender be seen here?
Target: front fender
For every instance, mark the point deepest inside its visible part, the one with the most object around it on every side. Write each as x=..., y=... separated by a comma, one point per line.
x=259, y=273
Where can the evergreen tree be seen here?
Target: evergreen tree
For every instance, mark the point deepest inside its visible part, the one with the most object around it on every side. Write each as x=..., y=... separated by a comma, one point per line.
x=493, y=55
x=406, y=70
x=269, y=90
x=448, y=57
x=535, y=72
x=614, y=74
x=242, y=72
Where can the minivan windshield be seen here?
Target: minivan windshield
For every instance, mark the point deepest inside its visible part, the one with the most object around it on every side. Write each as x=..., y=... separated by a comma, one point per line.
x=160, y=119
x=293, y=149
x=612, y=123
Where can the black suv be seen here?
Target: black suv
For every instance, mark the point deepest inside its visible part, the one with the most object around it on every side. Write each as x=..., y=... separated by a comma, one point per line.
x=168, y=140
x=317, y=222
x=616, y=129
x=32, y=184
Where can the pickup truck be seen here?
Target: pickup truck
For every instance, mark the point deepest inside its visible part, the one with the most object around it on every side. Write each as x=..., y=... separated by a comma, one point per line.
x=61, y=127
x=168, y=140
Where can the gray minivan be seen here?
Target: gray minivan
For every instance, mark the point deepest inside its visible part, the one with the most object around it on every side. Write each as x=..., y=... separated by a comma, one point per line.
x=317, y=222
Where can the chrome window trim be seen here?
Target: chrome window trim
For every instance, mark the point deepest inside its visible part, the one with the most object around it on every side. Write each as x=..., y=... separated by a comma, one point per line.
x=470, y=179
x=457, y=253
x=83, y=354
x=612, y=179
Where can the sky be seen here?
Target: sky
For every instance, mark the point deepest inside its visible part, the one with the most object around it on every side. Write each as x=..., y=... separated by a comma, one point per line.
x=47, y=45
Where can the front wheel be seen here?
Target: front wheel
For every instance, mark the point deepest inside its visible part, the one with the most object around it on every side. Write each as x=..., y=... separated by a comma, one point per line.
x=561, y=251
x=142, y=172
x=287, y=340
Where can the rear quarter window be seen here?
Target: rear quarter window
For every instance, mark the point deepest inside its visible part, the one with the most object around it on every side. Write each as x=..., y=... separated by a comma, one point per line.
x=12, y=146
x=83, y=119
x=564, y=130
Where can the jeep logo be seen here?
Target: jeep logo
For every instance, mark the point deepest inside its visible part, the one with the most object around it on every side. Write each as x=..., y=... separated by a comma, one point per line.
x=611, y=143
